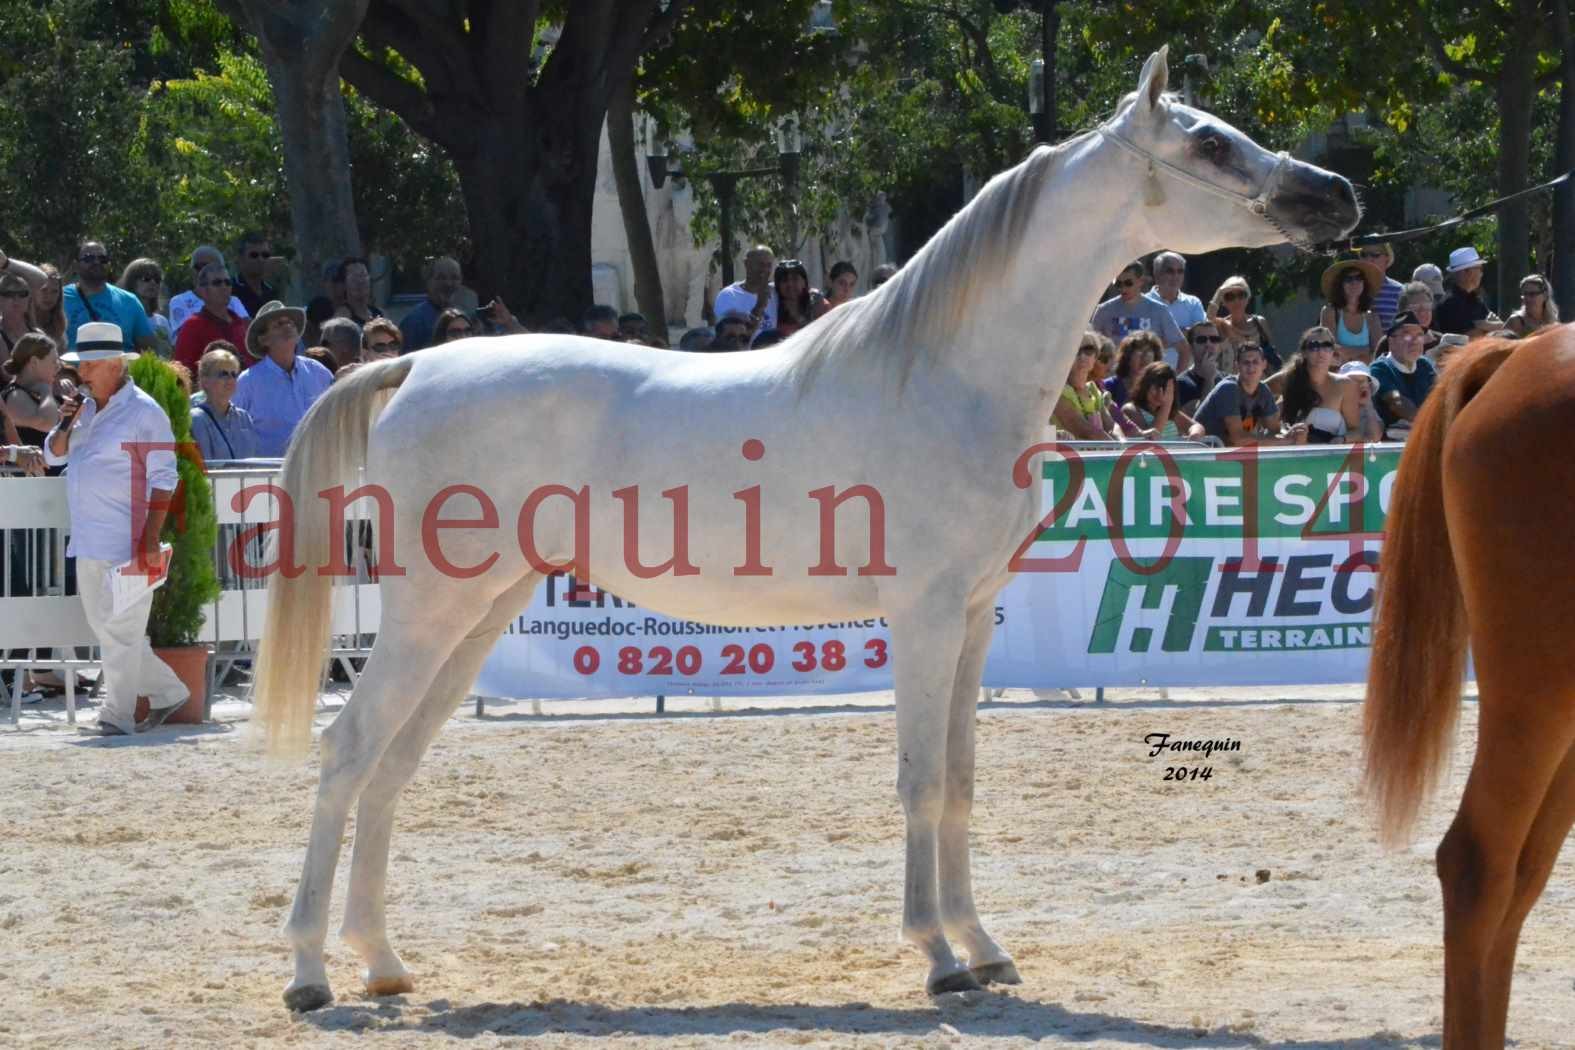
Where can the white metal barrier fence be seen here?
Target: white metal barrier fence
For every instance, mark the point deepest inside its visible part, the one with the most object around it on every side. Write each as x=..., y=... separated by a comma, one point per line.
x=41, y=620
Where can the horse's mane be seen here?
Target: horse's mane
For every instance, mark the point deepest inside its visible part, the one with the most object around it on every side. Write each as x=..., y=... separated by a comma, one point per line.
x=916, y=316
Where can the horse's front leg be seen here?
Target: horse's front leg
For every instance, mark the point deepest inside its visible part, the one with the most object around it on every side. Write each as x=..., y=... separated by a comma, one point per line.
x=925, y=647
x=959, y=917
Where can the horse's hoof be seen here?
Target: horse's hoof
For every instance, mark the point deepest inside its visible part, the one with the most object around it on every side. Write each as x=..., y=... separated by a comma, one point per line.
x=1003, y=972
x=961, y=981
x=307, y=997
x=401, y=985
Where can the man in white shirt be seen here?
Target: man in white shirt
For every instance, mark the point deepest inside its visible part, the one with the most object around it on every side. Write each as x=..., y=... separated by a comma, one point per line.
x=753, y=297
x=1186, y=310
x=110, y=523
x=189, y=302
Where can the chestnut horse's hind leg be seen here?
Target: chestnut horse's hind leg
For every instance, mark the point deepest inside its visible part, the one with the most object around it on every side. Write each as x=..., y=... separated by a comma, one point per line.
x=365, y=927
x=1537, y=857
x=1494, y=861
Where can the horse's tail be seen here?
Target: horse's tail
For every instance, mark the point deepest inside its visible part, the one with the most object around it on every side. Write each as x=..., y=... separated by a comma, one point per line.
x=328, y=448
x=1419, y=617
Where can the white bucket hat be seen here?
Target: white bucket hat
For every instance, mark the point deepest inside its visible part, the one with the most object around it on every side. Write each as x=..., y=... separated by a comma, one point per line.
x=1359, y=368
x=98, y=341
x=1464, y=259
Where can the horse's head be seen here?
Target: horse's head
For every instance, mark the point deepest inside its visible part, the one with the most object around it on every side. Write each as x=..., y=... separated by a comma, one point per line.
x=1209, y=186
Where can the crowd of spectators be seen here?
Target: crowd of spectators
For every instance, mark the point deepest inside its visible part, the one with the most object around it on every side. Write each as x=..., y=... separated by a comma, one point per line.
x=1157, y=364
x=1156, y=361
x=254, y=365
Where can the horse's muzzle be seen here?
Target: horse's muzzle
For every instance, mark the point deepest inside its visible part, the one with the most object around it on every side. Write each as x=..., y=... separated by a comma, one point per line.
x=1321, y=204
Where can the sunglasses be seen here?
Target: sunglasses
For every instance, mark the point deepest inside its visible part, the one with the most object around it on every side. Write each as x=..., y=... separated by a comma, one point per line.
x=1533, y=291
x=1319, y=345
x=13, y=295
x=222, y=375
x=217, y=282
x=1089, y=350
x=1228, y=296
x=460, y=329
x=387, y=346
x=1126, y=282
x=1201, y=339
x=1173, y=269
x=1356, y=277
x=1373, y=255
x=93, y=258
x=259, y=255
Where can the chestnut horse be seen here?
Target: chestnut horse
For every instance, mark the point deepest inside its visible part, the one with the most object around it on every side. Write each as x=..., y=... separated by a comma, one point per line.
x=1477, y=549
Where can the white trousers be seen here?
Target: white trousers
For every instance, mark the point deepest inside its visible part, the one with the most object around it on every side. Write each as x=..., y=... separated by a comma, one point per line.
x=130, y=667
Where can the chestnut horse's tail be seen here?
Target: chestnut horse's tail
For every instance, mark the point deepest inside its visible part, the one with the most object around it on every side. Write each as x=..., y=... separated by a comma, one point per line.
x=328, y=447
x=1419, y=618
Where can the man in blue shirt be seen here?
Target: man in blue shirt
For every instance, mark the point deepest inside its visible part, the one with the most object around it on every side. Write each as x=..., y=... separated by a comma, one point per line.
x=1170, y=269
x=93, y=298
x=443, y=281
x=278, y=389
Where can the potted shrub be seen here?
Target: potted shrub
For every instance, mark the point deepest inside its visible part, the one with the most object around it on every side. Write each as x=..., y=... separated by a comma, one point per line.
x=191, y=529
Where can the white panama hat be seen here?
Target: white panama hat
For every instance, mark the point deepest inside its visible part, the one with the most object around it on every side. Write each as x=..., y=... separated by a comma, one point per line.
x=98, y=341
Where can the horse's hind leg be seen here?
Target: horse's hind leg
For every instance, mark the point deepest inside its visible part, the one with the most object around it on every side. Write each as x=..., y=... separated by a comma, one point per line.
x=404, y=661
x=365, y=927
x=1495, y=859
x=959, y=917
x=1537, y=857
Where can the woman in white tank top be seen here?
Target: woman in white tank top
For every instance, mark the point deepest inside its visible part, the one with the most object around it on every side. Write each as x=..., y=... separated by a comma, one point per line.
x=1316, y=394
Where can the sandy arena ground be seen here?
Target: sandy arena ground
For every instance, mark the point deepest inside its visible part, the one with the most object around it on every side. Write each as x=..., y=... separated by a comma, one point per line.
x=723, y=878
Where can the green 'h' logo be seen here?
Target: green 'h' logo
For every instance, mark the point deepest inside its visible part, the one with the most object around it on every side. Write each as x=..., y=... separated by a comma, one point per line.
x=1190, y=578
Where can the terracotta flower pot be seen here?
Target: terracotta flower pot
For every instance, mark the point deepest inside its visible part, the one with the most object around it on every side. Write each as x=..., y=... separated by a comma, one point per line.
x=190, y=664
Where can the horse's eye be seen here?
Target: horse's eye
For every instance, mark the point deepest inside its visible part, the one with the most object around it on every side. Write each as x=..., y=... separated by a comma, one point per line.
x=1213, y=146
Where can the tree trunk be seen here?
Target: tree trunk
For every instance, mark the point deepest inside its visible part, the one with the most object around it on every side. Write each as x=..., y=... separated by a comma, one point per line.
x=1563, y=275
x=525, y=143
x=1516, y=90
x=529, y=195
x=317, y=171
x=631, y=202
x=301, y=43
x=1049, y=37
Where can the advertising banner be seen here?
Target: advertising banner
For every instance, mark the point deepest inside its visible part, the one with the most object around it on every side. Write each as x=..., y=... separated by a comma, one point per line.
x=1152, y=566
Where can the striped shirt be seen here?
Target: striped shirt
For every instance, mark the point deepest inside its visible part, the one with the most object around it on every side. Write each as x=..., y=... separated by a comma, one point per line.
x=1387, y=302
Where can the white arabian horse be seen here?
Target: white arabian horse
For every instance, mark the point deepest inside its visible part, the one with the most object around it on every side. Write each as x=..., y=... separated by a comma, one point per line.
x=920, y=398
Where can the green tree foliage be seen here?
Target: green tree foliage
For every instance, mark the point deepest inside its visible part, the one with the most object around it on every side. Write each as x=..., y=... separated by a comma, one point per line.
x=72, y=149
x=151, y=124
x=221, y=162
x=180, y=606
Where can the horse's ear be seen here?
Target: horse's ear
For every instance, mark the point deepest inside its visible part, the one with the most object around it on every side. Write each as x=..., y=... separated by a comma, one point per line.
x=1156, y=71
